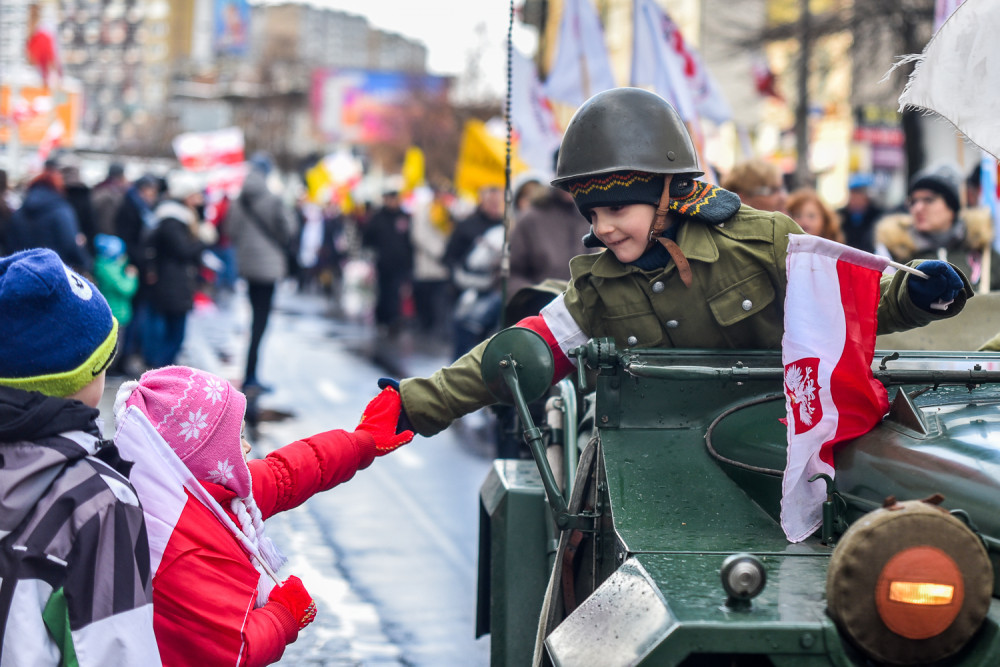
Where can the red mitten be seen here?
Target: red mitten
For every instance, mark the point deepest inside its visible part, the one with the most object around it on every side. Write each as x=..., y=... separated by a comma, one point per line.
x=380, y=419
x=292, y=595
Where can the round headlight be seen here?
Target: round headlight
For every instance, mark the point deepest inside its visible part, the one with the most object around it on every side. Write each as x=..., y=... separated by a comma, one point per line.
x=743, y=578
x=909, y=584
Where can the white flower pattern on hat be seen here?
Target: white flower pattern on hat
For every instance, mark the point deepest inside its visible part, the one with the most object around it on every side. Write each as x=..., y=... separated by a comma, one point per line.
x=213, y=390
x=195, y=424
x=223, y=473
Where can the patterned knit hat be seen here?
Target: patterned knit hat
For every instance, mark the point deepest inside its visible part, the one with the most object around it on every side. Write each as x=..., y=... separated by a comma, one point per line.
x=57, y=332
x=616, y=189
x=201, y=418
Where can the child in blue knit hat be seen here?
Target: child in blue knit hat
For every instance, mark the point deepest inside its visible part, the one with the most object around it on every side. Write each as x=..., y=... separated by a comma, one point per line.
x=72, y=534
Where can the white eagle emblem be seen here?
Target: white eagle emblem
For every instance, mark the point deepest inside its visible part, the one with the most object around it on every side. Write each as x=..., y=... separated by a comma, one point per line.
x=801, y=389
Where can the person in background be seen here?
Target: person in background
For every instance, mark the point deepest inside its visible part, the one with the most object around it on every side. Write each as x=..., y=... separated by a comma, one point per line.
x=937, y=228
x=543, y=241
x=813, y=215
x=527, y=189
x=78, y=195
x=46, y=220
x=107, y=196
x=758, y=184
x=6, y=213
x=261, y=228
x=214, y=601
x=432, y=226
x=488, y=213
x=74, y=559
x=861, y=213
x=387, y=233
x=176, y=245
x=117, y=281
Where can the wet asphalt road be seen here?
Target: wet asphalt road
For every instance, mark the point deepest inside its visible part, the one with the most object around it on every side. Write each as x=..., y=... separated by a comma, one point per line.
x=391, y=555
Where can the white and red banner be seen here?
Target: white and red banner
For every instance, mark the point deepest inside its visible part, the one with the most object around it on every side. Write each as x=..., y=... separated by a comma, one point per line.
x=661, y=58
x=538, y=133
x=831, y=306
x=948, y=76
x=582, y=67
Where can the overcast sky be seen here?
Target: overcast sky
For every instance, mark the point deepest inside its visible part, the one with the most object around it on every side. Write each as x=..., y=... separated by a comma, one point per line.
x=449, y=30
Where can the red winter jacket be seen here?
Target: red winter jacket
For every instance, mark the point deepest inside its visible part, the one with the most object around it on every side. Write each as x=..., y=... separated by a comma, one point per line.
x=206, y=585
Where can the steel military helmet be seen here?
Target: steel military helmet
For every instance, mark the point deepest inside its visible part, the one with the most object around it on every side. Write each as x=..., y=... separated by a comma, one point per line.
x=625, y=129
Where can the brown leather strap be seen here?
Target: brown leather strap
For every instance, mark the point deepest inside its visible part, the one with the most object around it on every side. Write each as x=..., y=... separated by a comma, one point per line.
x=683, y=268
x=660, y=218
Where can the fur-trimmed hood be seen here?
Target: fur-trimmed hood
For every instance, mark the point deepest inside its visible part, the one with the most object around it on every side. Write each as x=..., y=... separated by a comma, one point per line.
x=973, y=230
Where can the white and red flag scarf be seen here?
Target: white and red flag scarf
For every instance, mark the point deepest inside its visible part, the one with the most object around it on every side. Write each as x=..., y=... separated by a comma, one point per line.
x=831, y=306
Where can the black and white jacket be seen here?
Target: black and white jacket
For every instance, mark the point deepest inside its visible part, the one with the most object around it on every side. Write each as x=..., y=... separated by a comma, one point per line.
x=75, y=585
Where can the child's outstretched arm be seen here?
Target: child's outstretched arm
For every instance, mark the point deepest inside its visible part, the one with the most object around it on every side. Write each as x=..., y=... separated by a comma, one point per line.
x=270, y=628
x=292, y=474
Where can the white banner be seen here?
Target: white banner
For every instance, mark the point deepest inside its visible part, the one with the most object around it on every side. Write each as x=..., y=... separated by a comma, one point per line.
x=581, y=68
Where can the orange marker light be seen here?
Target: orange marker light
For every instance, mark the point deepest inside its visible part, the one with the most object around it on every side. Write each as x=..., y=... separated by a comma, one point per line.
x=914, y=593
x=919, y=592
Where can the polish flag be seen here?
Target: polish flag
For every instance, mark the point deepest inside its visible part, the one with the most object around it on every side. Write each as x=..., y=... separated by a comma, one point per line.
x=831, y=306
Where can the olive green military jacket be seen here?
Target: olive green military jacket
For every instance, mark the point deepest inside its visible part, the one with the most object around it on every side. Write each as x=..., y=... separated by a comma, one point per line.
x=736, y=301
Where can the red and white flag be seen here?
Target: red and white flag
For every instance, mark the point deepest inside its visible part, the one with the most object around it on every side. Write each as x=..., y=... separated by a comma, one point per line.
x=831, y=306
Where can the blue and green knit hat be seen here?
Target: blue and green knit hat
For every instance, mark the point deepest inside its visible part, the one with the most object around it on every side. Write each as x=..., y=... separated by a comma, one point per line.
x=56, y=330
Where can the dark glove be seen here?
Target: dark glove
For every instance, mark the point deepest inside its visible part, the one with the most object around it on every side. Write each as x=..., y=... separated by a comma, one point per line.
x=938, y=290
x=404, y=420
x=292, y=595
x=381, y=418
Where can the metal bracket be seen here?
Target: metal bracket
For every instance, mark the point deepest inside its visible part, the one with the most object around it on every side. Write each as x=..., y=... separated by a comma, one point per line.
x=834, y=511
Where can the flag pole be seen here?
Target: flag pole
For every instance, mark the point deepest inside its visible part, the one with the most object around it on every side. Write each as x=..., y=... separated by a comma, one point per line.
x=908, y=269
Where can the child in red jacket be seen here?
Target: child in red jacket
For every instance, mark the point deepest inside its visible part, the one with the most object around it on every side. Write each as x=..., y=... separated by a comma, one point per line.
x=216, y=599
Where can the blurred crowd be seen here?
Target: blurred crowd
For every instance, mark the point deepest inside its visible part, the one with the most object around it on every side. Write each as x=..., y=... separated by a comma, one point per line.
x=424, y=262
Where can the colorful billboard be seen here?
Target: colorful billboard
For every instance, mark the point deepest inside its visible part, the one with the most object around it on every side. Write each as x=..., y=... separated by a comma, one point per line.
x=231, y=35
x=369, y=106
x=39, y=112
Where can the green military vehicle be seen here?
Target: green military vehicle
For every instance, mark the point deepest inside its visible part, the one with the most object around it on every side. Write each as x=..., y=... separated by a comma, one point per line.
x=646, y=531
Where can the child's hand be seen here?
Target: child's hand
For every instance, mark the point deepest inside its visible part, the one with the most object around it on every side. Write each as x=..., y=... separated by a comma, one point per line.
x=381, y=418
x=294, y=597
x=131, y=271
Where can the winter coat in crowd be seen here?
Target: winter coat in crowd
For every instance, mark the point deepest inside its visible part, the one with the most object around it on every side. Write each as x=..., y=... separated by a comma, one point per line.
x=464, y=236
x=134, y=217
x=544, y=240
x=259, y=257
x=176, y=258
x=65, y=492
x=46, y=220
x=962, y=245
x=117, y=285
x=106, y=198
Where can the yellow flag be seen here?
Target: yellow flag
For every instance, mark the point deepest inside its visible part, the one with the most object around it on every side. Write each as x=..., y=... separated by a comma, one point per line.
x=481, y=160
x=413, y=169
x=319, y=183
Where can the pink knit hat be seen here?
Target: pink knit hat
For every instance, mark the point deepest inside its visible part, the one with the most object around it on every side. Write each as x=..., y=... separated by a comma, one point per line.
x=201, y=418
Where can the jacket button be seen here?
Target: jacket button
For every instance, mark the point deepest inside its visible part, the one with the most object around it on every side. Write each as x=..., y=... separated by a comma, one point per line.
x=658, y=287
x=747, y=304
x=672, y=324
x=632, y=341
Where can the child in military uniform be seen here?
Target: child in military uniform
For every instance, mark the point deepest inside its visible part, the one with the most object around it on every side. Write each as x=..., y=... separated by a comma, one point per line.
x=686, y=264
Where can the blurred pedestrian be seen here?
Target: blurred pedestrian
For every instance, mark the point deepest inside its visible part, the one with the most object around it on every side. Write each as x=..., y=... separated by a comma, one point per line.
x=859, y=216
x=387, y=233
x=6, y=213
x=78, y=195
x=543, y=241
x=215, y=602
x=46, y=220
x=262, y=230
x=107, y=196
x=759, y=184
x=527, y=188
x=937, y=228
x=117, y=281
x=176, y=245
x=74, y=559
x=813, y=215
x=432, y=225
